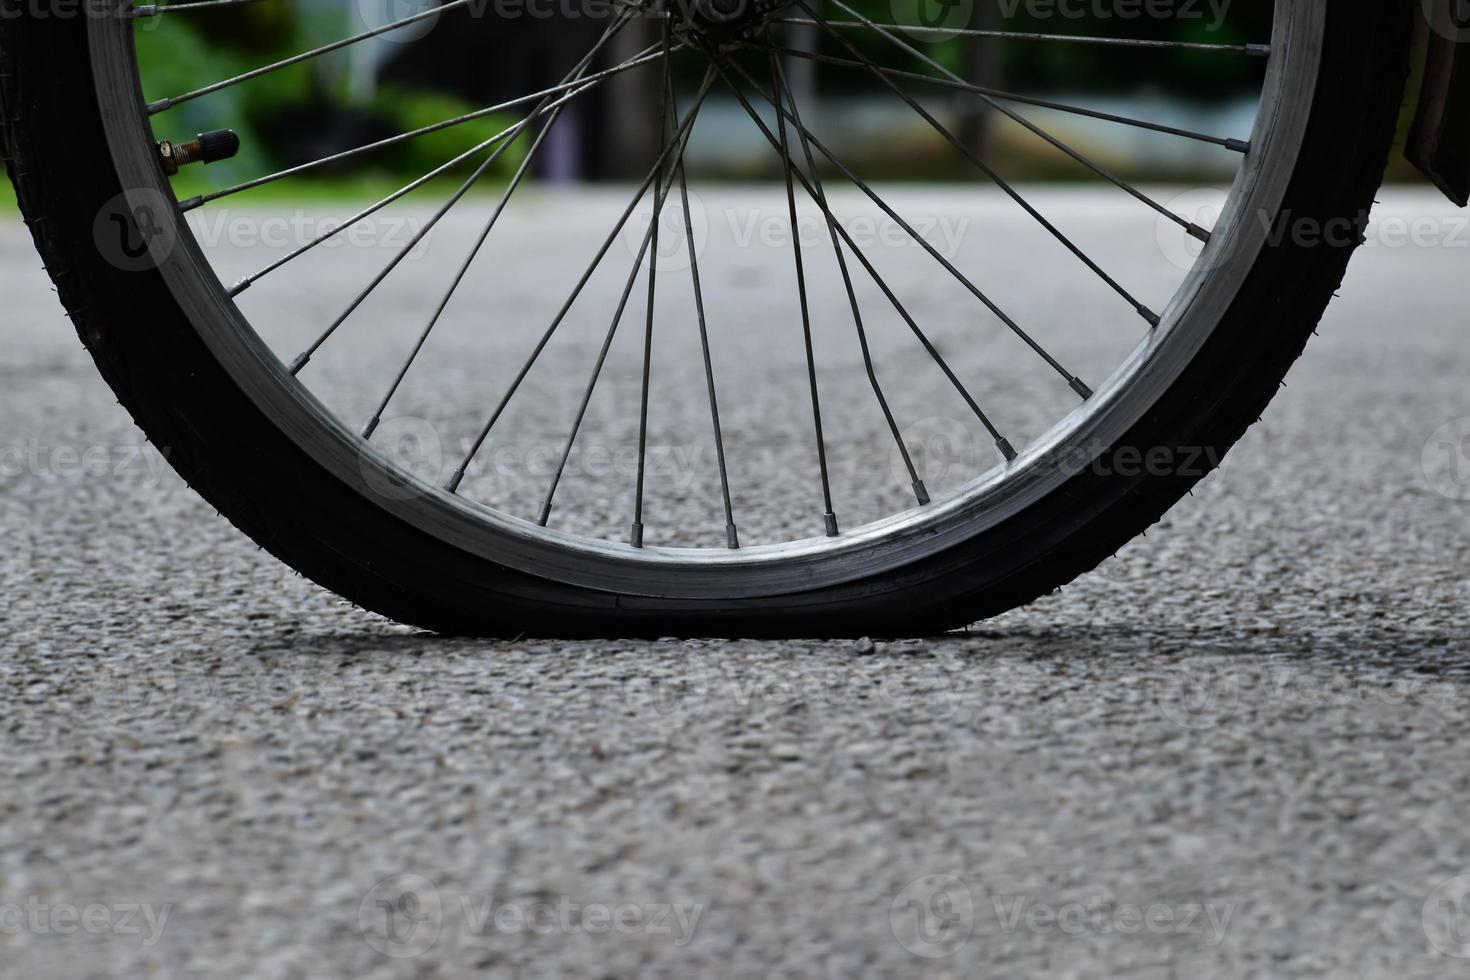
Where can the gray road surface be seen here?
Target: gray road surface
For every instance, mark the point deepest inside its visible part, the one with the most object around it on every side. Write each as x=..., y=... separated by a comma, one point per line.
x=1238, y=749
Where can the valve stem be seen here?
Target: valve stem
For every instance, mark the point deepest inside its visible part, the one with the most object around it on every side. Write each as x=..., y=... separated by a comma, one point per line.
x=221, y=144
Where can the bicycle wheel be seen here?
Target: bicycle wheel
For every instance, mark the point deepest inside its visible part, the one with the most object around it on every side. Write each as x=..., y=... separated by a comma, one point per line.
x=825, y=520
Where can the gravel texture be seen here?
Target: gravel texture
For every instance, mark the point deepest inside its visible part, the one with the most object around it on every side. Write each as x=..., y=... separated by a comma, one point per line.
x=1237, y=749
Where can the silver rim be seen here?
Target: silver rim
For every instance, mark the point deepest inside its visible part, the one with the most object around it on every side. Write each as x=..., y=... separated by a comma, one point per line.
x=764, y=569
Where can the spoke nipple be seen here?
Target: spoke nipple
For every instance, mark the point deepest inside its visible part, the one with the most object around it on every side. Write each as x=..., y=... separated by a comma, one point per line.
x=1080, y=388
x=1006, y=449
x=1258, y=50
x=1149, y=315
x=732, y=539
x=455, y=480
x=1239, y=146
x=635, y=539
x=159, y=106
x=545, y=514
x=240, y=287
x=299, y=363
x=832, y=531
x=371, y=427
x=1196, y=231
x=921, y=493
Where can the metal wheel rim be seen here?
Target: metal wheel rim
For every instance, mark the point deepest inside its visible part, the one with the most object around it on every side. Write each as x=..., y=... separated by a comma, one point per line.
x=759, y=570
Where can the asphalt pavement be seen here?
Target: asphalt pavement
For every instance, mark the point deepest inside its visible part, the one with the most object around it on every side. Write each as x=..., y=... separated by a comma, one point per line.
x=1237, y=749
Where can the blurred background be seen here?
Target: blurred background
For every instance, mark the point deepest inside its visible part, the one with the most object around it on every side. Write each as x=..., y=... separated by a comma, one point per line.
x=483, y=54
x=474, y=56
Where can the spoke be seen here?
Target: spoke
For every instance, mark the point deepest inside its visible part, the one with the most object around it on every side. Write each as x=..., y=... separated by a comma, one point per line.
x=1073, y=380
x=1253, y=50
x=643, y=10
x=665, y=86
x=784, y=93
x=784, y=150
x=561, y=316
x=999, y=181
x=156, y=107
x=661, y=193
x=1001, y=442
x=432, y=223
x=732, y=535
x=520, y=175
x=786, y=96
x=197, y=202
x=1239, y=146
x=156, y=9
x=1188, y=226
x=509, y=132
x=464, y=269
x=674, y=137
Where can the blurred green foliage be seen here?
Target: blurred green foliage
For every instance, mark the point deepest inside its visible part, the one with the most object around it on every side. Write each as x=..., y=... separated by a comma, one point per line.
x=281, y=114
x=307, y=111
x=1039, y=66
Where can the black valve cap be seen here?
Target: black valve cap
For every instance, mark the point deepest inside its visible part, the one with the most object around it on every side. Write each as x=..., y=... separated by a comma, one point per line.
x=222, y=144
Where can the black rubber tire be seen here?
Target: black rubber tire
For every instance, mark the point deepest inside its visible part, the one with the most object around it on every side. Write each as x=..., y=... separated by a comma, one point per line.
x=226, y=449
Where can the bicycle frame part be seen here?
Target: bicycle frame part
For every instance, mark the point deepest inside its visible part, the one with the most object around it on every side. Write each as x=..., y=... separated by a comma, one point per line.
x=1439, y=142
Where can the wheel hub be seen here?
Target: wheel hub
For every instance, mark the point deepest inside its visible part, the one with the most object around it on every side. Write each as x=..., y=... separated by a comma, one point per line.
x=724, y=23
